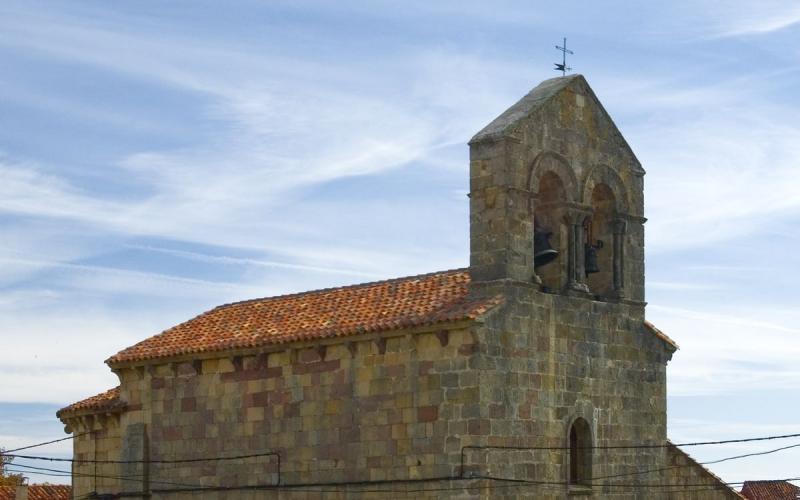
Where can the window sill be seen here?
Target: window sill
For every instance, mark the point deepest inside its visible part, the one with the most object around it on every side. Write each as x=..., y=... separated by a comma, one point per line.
x=579, y=490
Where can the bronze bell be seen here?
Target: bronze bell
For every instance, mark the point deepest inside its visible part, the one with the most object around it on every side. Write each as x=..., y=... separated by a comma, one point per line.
x=543, y=252
x=590, y=261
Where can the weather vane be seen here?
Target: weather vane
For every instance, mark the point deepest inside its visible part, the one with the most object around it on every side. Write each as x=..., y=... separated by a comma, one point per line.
x=563, y=68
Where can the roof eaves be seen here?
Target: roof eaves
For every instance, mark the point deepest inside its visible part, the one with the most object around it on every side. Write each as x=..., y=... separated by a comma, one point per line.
x=106, y=402
x=661, y=335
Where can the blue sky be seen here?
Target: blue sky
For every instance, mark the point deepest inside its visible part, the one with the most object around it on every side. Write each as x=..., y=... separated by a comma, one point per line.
x=157, y=159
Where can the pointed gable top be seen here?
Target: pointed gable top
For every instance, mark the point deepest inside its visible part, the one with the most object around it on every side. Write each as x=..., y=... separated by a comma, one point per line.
x=532, y=101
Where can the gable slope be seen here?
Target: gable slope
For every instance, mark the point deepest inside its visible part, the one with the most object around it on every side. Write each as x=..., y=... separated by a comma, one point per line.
x=507, y=123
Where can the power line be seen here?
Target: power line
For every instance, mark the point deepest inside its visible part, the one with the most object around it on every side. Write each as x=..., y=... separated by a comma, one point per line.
x=317, y=487
x=751, y=454
x=296, y=487
x=729, y=441
x=710, y=462
x=174, y=461
x=62, y=473
x=6, y=452
x=65, y=473
x=463, y=449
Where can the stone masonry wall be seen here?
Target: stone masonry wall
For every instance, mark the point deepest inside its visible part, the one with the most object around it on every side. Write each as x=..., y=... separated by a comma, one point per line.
x=569, y=135
x=102, y=443
x=688, y=480
x=385, y=408
x=548, y=359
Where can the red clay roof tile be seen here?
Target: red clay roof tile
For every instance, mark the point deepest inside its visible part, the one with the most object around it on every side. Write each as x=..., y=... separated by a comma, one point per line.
x=39, y=492
x=770, y=490
x=335, y=312
x=105, y=401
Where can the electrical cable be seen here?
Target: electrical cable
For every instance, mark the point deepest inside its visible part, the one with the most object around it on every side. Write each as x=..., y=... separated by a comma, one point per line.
x=158, y=461
x=316, y=487
x=710, y=462
x=62, y=473
x=520, y=448
x=294, y=487
x=6, y=452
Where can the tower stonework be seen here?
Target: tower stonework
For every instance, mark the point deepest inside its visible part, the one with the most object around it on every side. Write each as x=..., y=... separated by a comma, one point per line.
x=518, y=377
x=556, y=156
x=569, y=362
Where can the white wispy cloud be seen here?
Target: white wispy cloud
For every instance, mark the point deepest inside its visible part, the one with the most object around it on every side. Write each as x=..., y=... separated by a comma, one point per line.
x=730, y=352
x=755, y=18
x=721, y=158
x=223, y=259
x=128, y=281
x=679, y=285
x=288, y=132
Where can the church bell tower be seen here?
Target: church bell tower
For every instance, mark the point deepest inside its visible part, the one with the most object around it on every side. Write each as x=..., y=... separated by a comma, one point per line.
x=556, y=197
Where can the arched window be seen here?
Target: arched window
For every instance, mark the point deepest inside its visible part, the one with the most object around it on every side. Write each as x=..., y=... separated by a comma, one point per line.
x=580, y=452
x=549, y=225
x=599, y=248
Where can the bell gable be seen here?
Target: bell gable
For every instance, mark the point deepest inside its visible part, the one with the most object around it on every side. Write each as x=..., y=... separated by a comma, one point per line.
x=554, y=168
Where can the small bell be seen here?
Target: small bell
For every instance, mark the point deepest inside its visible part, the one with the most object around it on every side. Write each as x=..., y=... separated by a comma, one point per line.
x=590, y=262
x=543, y=252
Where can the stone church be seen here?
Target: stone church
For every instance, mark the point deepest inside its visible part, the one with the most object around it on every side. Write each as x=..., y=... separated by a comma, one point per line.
x=532, y=373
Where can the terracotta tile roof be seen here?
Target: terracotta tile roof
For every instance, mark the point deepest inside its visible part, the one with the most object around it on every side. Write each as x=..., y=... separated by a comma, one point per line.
x=335, y=312
x=39, y=492
x=105, y=401
x=770, y=490
x=658, y=333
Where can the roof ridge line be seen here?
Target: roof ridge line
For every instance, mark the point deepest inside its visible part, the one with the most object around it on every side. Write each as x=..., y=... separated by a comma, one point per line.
x=276, y=298
x=332, y=288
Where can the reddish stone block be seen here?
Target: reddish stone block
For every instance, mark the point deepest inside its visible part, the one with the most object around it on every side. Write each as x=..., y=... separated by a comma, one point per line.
x=543, y=344
x=372, y=403
x=278, y=397
x=425, y=367
x=350, y=434
x=427, y=413
x=315, y=367
x=157, y=383
x=341, y=391
x=467, y=349
x=478, y=427
x=188, y=404
x=257, y=373
x=396, y=370
x=172, y=433
x=185, y=369
x=497, y=411
x=309, y=356
x=292, y=410
x=256, y=399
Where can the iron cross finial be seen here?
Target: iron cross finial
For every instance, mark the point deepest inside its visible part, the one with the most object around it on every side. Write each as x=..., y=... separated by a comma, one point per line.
x=563, y=68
